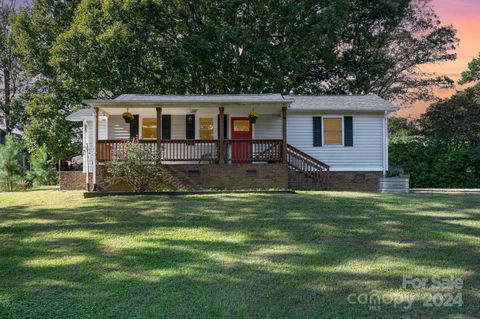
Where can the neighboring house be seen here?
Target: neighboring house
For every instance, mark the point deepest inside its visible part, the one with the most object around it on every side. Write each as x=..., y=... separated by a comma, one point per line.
x=207, y=141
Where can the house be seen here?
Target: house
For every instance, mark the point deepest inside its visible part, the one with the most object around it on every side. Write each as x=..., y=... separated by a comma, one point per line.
x=207, y=141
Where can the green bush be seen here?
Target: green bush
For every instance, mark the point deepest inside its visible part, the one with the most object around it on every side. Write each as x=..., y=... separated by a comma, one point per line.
x=12, y=159
x=430, y=165
x=42, y=170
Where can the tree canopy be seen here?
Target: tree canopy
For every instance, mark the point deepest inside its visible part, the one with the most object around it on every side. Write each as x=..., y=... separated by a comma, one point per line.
x=231, y=46
x=74, y=49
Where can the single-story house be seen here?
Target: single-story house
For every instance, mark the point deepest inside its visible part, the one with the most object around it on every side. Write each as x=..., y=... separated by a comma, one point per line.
x=208, y=141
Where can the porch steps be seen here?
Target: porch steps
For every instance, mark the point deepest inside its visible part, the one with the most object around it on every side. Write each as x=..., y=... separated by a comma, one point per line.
x=306, y=172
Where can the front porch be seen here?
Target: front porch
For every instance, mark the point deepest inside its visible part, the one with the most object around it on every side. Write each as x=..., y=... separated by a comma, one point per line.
x=205, y=130
x=203, y=141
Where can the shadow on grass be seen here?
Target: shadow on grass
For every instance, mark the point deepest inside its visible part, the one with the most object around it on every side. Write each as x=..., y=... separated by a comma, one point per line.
x=234, y=255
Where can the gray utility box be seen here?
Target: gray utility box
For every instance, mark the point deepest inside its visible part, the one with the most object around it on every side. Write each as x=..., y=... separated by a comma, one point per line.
x=393, y=184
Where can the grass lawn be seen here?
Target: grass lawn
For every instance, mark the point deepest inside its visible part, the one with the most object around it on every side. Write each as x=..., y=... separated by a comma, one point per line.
x=204, y=256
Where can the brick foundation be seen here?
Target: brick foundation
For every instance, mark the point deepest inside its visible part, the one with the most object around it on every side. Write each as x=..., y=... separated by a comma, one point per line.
x=214, y=176
x=73, y=180
x=338, y=181
x=233, y=177
x=354, y=181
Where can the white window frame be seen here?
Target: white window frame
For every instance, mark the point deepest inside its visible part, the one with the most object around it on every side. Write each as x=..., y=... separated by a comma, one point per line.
x=140, y=129
x=205, y=116
x=342, y=142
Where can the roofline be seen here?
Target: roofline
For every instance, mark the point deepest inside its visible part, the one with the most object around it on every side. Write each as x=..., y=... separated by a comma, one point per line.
x=206, y=101
x=184, y=103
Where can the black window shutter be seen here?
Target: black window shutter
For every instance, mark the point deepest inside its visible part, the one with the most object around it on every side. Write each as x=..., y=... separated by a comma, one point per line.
x=190, y=133
x=134, y=126
x=348, y=134
x=317, y=131
x=225, y=126
x=166, y=127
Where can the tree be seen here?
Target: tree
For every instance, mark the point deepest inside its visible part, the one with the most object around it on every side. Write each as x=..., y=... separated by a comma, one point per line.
x=48, y=101
x=382, y=46
x=347, y=46
x=400, y=127
x=454, y=122
x=194, y=46
x=48, y=127
x=12, y=76
x=472, y=75
x=444, y=151
x=11, y=162
x=42, y=170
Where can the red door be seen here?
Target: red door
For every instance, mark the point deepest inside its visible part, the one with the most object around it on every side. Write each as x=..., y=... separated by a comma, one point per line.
x=241, y=129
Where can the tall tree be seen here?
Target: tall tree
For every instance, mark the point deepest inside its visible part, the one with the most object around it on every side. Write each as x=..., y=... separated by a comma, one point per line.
x=12, y=158
x=12, y=76
x=383, y=46
x=227, y=46
x=121, y=46
x=48, y=100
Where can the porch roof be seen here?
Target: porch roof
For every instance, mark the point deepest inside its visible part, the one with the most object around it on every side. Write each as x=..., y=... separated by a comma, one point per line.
x=142, y=100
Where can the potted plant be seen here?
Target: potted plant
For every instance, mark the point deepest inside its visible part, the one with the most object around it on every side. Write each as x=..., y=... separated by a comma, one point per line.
x=128, y=117
x=253, y=116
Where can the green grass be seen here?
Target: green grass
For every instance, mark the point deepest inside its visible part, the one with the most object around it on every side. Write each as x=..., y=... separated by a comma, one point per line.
x=243, y=255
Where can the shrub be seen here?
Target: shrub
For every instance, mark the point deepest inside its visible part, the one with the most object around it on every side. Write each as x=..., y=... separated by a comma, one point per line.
x=430, y=165
x=138, y=165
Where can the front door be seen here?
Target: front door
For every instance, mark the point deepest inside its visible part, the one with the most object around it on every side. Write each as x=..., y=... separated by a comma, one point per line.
x=241, y=129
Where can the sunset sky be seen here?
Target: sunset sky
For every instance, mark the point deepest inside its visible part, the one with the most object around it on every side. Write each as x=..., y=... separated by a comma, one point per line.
x=464, y=15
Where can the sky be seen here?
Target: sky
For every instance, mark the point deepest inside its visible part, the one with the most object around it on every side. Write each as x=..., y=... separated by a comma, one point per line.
x=464, y=15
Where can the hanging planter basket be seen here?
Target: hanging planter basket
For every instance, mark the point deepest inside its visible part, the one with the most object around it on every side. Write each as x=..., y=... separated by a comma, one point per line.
x=253, y=116
x=128, y=117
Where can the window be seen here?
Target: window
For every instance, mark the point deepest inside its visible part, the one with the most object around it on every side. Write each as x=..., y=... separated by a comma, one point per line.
x=332, y=132
x=206, y=128
x=241, y=125
x=149, y=128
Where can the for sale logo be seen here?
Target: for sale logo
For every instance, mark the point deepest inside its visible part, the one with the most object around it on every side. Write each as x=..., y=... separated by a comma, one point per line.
x=439, y=292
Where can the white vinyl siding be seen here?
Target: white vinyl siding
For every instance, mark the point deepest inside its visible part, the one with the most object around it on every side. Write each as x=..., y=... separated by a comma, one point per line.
x=102, y=129
x=117, y=128
x=268, y=127
x=365, y=155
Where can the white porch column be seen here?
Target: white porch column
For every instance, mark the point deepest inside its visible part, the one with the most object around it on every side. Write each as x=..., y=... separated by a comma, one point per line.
x=284, y=135
x=95, y=142
x=385, y=144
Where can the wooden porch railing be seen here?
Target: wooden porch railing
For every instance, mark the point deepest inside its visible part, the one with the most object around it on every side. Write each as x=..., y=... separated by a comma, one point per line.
x=200, y=151
x=308, y=165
